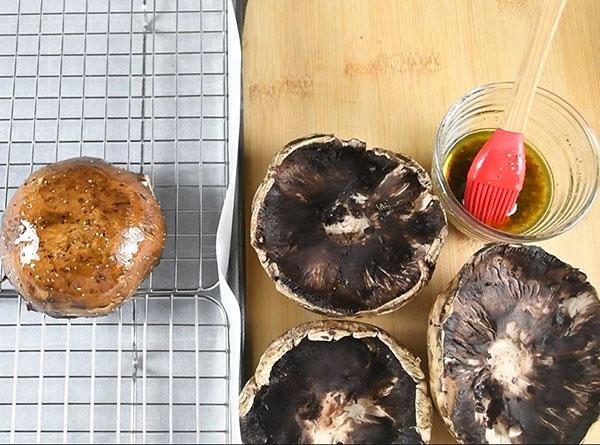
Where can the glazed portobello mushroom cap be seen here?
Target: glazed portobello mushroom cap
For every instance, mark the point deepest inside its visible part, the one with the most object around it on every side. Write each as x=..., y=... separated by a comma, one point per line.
x=345, y=230
x=336, y=382
x=514, y=349
x=80, y=236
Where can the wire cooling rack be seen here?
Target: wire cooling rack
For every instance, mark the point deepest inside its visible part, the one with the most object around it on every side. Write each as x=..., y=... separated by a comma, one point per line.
x=142, y=84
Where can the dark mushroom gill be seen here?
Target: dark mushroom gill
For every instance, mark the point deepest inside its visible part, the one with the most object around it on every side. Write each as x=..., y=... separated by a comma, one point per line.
x=349, y=391
x=349, y=229
x=521, y=349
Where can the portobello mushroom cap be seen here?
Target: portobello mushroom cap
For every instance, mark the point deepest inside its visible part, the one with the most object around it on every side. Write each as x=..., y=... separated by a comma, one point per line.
x=345, y=230
x=79, y=237
x=333, y=382
x=514, y=347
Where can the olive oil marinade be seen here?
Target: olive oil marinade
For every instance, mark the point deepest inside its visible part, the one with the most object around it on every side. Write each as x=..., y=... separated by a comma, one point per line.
x=535, y=196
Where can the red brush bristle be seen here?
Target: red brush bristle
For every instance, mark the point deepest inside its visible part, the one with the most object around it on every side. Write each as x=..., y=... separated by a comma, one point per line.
x=479, y=200
x=500, y=212
x=489, y=205
x=495, y=177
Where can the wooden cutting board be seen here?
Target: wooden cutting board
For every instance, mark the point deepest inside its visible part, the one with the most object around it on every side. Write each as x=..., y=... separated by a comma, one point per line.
x=385, y=71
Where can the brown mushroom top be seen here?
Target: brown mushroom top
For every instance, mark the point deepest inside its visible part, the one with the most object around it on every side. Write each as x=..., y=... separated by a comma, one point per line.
x=79, y=237
x=346, y=230
x=336, y=382
x=515, y=349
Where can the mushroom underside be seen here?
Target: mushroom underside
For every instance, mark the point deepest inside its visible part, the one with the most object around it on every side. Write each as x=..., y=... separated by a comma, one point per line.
x=348, y=229
x=520, y=349
x=343, y=391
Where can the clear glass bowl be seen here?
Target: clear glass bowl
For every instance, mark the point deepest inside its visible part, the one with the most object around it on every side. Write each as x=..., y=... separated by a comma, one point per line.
x=555, y=128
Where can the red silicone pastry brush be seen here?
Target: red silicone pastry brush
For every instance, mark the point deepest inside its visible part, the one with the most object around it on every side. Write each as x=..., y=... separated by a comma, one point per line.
x=497, y=173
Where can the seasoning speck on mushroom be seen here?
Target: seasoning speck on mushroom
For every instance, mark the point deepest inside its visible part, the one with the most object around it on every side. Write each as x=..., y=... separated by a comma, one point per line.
x=345, y=230
x=335, y=382
x=514, y=347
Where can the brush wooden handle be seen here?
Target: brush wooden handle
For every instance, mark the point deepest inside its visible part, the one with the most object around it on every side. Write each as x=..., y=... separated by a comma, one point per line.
x=517, y=113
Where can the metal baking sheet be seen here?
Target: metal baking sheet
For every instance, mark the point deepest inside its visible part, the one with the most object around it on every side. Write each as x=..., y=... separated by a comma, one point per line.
x=144, y=85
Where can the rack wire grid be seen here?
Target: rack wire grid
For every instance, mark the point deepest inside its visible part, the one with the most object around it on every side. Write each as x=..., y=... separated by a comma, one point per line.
x=142, y=84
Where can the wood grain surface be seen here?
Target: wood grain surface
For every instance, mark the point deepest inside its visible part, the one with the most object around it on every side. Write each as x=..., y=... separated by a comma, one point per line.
x=385, y=71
